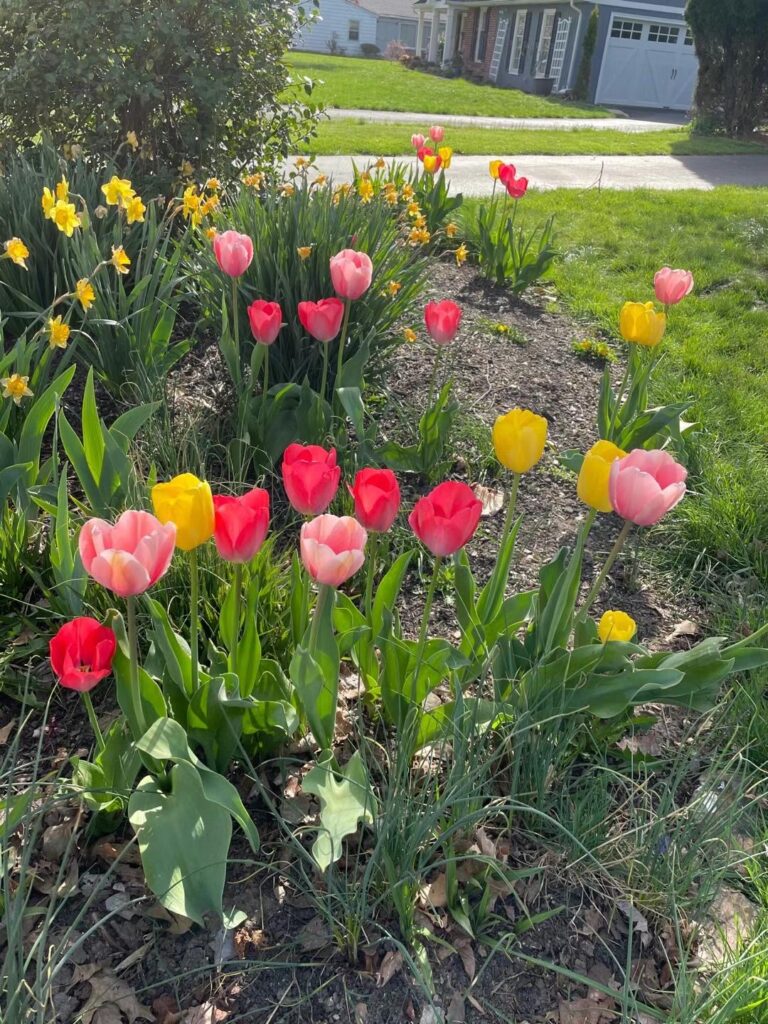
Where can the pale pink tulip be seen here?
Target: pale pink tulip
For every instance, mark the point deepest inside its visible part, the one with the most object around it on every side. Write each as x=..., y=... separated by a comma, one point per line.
x=130, y=555
x=351, y=273
x=672, y=286
x=332, y=548
x=436, y=133
x=644, y=486
x=233, y=252
x=417, y=141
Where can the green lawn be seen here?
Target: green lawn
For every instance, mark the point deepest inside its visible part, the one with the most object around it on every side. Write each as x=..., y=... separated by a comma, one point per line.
x=715, y=351
x=355, y=83
x=359, y=136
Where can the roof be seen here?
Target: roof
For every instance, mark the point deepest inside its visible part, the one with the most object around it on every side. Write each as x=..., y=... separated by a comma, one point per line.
x=388, y=8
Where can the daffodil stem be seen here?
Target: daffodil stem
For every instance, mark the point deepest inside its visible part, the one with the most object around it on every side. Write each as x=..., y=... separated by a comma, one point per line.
x=237, y=583
x=615, y=552
x=324, y=383
x=133, y=657
x=372, y=559
x=342, y=344
x=194, y=617
x=93, y=720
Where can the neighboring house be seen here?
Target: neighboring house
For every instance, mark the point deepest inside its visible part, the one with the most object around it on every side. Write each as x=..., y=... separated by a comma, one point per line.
x=644, y=56
x=348, y=24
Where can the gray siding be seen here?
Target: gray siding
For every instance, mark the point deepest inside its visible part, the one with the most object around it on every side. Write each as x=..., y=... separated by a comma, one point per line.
x=401, y=30
x=527, y=78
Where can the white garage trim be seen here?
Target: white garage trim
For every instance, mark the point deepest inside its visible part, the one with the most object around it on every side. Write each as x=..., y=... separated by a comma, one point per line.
x=631, y=5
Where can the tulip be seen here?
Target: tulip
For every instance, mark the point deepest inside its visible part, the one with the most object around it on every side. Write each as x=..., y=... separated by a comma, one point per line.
x=417, y=141
x=494, y=167
x=446, y=155
x=425, y=151
x=186, y=502
x=81, y=654
x=436, y=133
x=442, y=320
x=616, y=626
x=376, y=493
x=432, y=164
x=332, y=548
x=446, y=518
x=266, y=319
x=519, y=438
x=233, y=252
x=640, y=323
x=592, y=485
x=310, y=477
x=645, y=485
x=241, y=524
x=351, y=273
x=129, y=556
x=671, y=286
x=322, y=319
x=516, y=187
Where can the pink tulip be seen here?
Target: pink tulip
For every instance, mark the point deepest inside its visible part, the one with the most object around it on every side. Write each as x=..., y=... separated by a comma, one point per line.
x=516, y=187
x=351, y=273
x=672, y=285
x=436, y=133
x=644, y=486
x=321, y=319
x=266, y=319
x=130, y=555
x=442, y=320
x=233, y=252
x=417, y=141
x=332, y=548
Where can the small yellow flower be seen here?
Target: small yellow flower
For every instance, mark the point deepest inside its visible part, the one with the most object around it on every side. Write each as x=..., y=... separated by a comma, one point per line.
x=408, y=193
x=390, y=196
x=16, y=251
x=616, y=625
x=253, y=180
x=213, y=185
x=65, y=217
x=304, y=251
x=393, y=288
x=365, y=191
x=58, y=333
x=132, y=139
x=187, y=502
x=16, y=387
x=320, y=180
x=420, y=222
x=300, y=162
x=84, y=293
x=380, y=164
x=419, y=236
x=413, y=210
x=48, y=203
x=451, y=230
x=62, y=189
x=187, y=169
x=135, y=210
x=211, y=204
x=494, y=167
x=519, y=437
x=210, y=233
x=288, y=189
x=461, y=255
x=409, y=335
x=120, y=260
x=190, y=203
x=117, y=191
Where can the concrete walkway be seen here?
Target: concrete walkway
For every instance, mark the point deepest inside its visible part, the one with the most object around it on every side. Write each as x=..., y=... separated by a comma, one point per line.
x=614, y=124
x=469, y=174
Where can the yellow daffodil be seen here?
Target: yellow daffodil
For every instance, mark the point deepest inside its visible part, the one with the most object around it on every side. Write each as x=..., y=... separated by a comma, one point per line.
x=640, y=323
x=132, y=139
x=213, y=185
x=190, y=202
x=365, y=191
x=117, y=191
x=592, y=485
x=84, y=293
x=187, y=169
x=253, y=180
x=461, y=255
x=390, y=197
x=65, y=217
x=519, y=437
x=616, y=625
x=211, y=204
x=451, y=230
x=16, y=387
x=446, y=155
x=494, y=167
x=135, y=210
x=393, y=288
x=187, y=502
x=413, y=210
x=320, y=180
x=304, y=251
x=409, y=335
x=300, y=162
x=48, y=202
x=58, y=333
x=16, y=251
x=62, y=189
x=120, y=260
x=288, y=189
x=210, y=233
x=380, y=164
x=407, y=193
x=419, y=236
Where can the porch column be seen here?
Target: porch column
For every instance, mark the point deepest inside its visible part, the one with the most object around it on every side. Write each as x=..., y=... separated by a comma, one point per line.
x=434, y=36
x=449, y=48
x=420, y=34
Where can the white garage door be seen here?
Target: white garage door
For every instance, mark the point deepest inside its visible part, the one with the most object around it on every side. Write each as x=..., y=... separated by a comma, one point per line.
x=647, y=64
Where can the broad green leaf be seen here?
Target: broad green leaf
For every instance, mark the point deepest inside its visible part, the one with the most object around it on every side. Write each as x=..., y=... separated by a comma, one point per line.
x=345, y=801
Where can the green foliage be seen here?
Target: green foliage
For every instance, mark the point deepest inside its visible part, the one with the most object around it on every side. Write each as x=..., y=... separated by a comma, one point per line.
x=428, y=455
x=345, y=802
x=181, y=76
x=584, y=74
x=507, y=254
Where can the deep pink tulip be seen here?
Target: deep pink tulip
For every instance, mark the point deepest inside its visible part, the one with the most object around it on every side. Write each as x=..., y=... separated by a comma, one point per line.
x=446, y=518
x=130, y=555
x=310, y=477
x=81, y=653
x=322, y=319
x=266, y=319
x=443, y=320
x=351, y=273
x=233, y=252
x=377, y=498
x=516, y=187
x=332, y=548
x=672, y=286
x=241, y=524
x=425, y=151
x=417, y=141
x=436, y=133
x=644, y=486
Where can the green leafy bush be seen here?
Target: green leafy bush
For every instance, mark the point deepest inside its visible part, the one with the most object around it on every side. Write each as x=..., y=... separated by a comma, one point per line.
x=508, y=254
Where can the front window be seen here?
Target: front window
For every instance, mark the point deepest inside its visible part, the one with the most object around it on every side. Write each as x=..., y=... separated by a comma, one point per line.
x=482, y=34
x=518, y=41
x=354, y=31
x=545, y=43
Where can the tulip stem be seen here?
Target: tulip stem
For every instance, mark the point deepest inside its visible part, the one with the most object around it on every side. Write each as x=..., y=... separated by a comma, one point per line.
x=93, y=720
x=433, y=379
x=372, y=558
x=615, y=552
x=265, y=386
x=194, y=619
x=324, y=382
x=425, y=621
x=237, y=583
x=236, y=324
x=342, y=343
x=133, y=652
x=323, y=594
x=510, y=509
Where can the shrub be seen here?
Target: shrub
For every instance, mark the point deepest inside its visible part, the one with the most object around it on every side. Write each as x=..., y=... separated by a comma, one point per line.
x=369, y=49
x=584, y=74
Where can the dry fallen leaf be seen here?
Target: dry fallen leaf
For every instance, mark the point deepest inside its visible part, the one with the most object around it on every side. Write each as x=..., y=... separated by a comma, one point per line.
x=492, y=501
x=314, y=935
x=587, y=1011
x=205, y=1014
x=685, y=628
x=435, y=894
x=110, y=997
x=5, y=731
x=390, y=965
x=464, y=948
x=456, y=1011
x=56, y=839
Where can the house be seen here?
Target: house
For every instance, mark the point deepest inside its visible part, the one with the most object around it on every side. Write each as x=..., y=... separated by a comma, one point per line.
x=644, y=54
x=349, y=25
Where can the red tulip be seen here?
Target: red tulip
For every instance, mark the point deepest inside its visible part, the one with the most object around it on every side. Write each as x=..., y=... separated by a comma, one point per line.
x=81, y=653
x=266, y=320
x=322, y=319
x=377, y=498
x=351, y=273
x=241, y=524
x=446, y=518
x=442, y=320
x=310, y=477
x=516, y=187
x=233, y=252
x=425, y=151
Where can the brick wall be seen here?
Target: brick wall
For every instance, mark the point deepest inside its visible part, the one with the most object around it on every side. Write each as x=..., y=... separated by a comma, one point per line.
x=482, y=66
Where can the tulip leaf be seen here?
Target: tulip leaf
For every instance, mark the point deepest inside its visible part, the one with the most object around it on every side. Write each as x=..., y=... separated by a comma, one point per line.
x=462, y=718
x=345, y=801
x=389, y=589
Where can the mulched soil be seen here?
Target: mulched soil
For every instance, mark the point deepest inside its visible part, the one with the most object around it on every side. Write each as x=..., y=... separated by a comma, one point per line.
x=288, y=971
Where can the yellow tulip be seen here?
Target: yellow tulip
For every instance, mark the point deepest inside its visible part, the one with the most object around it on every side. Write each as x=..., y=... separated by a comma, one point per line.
x=446, y=155
x=430, y=163
x=494, y=167
x=616, y=626
x=187, y=502
x=640, y=323
x=592, y=485
x=519, y=438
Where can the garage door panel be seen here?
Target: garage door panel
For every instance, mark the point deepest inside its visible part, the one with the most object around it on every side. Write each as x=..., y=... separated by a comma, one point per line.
x=647, y=63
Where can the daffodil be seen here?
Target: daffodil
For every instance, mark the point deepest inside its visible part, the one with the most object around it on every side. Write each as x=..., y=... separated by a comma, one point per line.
x=393, y=288
x=210, y=233
x=120, y=260
x=117, y=191
x=132, y=140
x=304, y=251
x=409, y=335
x=48, y=203
x=408, y=193
x=451, y=230
x=58, y=333
x=213, y=185
x=211, y=203
x=365, y=191
x=190, y=202
x=187, y=169
x=288, y=189
x=65, y=217
x=16, y=251
x=461, y=255
x=16, y=387
x=84, y=293
x=253, y=180
x=135, y=210
x=62, y=189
